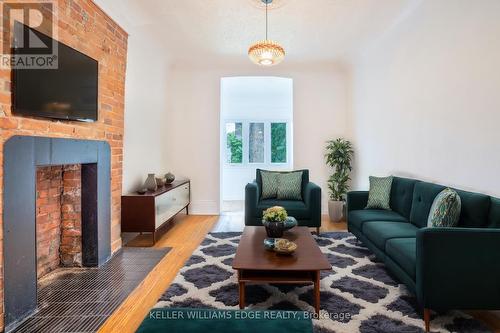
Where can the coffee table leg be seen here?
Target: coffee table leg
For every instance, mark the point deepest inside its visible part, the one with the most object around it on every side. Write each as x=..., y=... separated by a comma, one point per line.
x=242, y=291
x=242, y=295
x=316, y=292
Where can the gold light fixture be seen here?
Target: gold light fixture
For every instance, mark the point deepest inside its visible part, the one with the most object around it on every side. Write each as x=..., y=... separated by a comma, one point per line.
x=266, y=52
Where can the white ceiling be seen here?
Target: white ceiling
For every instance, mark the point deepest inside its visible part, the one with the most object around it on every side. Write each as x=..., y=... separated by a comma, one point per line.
x=205, y=30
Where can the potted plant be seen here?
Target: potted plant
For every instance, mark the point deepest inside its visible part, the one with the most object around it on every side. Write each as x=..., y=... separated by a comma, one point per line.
x=339, y=154
x=276, y=221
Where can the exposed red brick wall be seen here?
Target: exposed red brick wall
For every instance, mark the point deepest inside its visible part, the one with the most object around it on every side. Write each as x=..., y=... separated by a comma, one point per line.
x=85, y=27
x=58, y=217
x=48, y=218
x=71, y=217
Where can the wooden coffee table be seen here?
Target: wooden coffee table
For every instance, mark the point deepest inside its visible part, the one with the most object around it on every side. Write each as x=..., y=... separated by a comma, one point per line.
x=255, y=264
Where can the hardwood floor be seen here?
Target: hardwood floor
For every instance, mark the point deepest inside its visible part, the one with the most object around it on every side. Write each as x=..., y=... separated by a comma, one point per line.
x=184, y=237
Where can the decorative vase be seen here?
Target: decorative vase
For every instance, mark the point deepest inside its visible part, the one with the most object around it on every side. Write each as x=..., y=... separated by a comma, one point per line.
x=160, y=182
x=169, y=178
x=150, y=182
x=336, y=210
x=274, y=229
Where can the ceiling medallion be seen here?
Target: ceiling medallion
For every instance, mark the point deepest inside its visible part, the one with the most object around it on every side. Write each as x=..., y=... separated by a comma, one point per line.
x=266, y=52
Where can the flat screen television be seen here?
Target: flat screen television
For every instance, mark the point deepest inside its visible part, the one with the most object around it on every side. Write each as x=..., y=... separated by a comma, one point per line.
x=68, y=92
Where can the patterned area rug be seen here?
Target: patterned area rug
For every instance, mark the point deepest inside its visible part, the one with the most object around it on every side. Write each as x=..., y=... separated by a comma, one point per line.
x=358, y=295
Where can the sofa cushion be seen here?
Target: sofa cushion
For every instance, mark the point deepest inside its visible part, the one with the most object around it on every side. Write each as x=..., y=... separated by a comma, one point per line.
x=402, y=195
x=379, y=195
x=445, y=210
x=423, y=197
x=379, y=232
x=305, y=178
x=403, y=251
x=494, y=219
x=358, y=217
x=475, y=209
x=295, y=208
x=290, y=186
x=270, y=183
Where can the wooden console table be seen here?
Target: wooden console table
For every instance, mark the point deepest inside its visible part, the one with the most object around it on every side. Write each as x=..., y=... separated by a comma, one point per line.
x=153, y=210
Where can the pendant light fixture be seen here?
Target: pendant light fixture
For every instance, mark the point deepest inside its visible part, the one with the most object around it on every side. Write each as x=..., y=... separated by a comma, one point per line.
x=266, y=52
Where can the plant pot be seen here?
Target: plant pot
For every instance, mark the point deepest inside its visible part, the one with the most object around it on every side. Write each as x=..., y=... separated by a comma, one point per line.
x=274, y=229
x=336, y=210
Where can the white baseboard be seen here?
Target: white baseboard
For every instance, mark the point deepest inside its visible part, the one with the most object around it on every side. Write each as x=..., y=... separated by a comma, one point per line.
x=204, y=207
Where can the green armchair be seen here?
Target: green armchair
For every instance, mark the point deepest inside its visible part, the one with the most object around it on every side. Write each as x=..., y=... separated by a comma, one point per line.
x=307, y=211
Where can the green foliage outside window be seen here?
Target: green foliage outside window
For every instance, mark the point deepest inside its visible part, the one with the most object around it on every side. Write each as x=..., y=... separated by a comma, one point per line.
x=278, y=143
x=235, y=146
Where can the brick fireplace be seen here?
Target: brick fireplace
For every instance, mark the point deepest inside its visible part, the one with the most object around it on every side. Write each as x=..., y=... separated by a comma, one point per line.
x=82, y=25
x=58, y=217
x=56, y=211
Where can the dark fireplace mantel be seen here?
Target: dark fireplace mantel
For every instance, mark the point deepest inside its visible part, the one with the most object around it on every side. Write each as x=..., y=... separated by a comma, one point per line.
x=22, y=154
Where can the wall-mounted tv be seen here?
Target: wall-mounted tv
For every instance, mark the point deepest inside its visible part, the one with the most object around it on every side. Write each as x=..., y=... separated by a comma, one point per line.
x=68, y=92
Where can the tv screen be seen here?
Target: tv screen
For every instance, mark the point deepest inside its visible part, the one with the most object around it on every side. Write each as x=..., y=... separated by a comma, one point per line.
x=68, y=92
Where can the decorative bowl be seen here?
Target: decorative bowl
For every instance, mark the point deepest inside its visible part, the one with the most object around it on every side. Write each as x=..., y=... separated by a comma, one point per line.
x=142, y=191
x=280, y=245
x=284, y=246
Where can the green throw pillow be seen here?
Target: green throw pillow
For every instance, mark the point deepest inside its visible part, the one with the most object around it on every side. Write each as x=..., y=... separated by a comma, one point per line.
x=445, y=210
x=290, y=186
x=380, y=193
x=269, y=184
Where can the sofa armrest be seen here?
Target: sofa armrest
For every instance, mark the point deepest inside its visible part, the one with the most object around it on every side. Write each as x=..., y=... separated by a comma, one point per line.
x=252, y=197
x=312, y=199
x=458, y=268
x=356, y=200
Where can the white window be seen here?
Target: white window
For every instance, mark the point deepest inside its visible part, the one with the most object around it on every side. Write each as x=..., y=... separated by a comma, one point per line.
x=257, y=143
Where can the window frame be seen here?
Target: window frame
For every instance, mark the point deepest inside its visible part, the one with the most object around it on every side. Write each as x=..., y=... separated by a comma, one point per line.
x=267, y=143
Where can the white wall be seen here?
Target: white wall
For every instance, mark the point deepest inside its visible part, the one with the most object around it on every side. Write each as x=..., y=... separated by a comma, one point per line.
x=320, y=113
x=425, y=97
x=249, y=99
x=145, y=95
x=145, y=111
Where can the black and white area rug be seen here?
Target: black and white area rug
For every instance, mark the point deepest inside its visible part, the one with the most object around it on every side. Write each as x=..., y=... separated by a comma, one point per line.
x=358, y=295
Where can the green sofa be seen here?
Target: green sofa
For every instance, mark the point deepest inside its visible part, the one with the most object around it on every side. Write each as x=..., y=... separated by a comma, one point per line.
x=307, y=211
x=446, y=268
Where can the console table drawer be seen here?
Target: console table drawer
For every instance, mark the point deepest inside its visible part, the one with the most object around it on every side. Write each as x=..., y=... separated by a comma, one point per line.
x=170, y=203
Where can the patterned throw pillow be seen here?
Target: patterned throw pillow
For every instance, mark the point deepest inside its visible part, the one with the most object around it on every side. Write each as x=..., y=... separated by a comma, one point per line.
x=290, y=186
x=380, y=193
x=269, y=184
x=445, y=210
